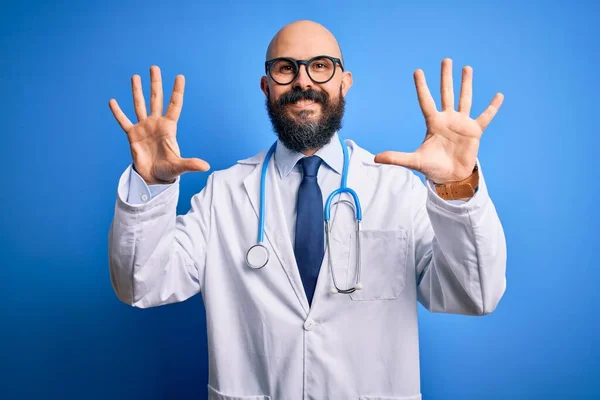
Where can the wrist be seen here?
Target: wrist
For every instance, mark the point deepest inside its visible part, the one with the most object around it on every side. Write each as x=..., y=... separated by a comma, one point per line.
x=152, y=181
x=463, y=189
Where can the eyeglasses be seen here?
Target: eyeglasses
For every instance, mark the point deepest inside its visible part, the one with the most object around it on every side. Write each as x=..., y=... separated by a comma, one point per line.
x=320, y=69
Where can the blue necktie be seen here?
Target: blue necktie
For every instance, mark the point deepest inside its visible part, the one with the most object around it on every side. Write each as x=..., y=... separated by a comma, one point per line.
x=309, y=244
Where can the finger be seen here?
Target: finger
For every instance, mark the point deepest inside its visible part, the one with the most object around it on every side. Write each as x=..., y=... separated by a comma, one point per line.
x=408, y=160
x=446, y=88
x=119, y=115
x=139, y=104
x=486, y=117
x=466, y=91
x=156, y=92
x=192, y=165
x=176, y=103
x=425, y=99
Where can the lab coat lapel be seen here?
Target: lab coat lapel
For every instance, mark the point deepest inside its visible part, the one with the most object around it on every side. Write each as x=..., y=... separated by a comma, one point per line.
x=358, y=175
x=360, y=181
x=276, y=230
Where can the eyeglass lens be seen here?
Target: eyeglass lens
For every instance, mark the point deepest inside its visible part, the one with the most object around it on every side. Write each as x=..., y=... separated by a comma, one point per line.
x=319, y=70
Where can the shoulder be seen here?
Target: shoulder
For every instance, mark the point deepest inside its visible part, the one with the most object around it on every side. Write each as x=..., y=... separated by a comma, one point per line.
x=236, y=173
x=381, y=173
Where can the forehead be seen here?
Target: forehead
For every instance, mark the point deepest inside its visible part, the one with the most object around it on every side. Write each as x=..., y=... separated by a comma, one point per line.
x=303, y=44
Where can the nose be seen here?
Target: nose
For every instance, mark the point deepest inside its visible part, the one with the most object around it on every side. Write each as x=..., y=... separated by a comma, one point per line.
x=302, y=81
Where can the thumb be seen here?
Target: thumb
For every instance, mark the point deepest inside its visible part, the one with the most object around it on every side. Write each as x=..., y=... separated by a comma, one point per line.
x=194, y=165
x=408, y=160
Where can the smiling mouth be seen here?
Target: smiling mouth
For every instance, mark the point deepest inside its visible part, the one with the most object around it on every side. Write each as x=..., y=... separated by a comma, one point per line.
x=304, y=103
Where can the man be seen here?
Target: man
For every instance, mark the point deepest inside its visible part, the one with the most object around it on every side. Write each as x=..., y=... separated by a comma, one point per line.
x=291, y=329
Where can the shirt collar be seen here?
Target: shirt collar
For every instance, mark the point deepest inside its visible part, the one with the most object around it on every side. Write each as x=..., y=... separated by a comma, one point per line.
x=332, y=154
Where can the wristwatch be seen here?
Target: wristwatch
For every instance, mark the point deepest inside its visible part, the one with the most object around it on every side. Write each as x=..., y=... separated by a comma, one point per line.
x=459, y=189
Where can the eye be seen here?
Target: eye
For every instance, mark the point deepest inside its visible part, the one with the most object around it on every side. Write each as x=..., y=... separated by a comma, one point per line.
x=283, y=67
x=321, y=65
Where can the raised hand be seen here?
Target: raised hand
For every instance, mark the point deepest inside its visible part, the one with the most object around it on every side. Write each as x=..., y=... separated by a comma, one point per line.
x=154, y=149
x=449, y=151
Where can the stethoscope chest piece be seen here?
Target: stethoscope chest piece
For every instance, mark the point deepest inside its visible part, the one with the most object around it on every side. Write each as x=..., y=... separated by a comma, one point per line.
x=257, y=256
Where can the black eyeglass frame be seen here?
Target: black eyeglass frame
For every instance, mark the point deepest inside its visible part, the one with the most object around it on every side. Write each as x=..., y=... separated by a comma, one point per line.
x=297, y=64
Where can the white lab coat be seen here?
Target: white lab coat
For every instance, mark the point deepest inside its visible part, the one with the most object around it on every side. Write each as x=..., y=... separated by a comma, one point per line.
x=264, y=341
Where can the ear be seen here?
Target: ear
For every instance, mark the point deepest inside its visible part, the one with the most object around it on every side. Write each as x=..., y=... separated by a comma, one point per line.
x=346, y=82
x=264, y=85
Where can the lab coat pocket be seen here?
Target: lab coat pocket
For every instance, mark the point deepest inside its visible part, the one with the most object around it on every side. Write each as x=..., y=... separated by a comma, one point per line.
x=383, y=257
x=213, y=394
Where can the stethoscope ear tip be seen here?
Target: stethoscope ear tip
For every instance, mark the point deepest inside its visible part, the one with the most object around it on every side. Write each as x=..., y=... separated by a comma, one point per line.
x=333, y=290
x=358, y=286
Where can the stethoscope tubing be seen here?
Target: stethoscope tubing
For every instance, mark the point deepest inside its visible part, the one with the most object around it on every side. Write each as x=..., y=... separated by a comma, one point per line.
x=327, y=214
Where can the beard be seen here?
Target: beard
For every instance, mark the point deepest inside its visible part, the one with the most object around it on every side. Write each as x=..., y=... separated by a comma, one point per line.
x=303, y=132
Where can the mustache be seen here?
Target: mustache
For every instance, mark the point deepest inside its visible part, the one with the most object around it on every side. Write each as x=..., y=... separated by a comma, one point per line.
x=294, y=96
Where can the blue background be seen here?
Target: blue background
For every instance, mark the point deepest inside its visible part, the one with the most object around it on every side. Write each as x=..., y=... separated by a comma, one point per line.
x=63, y=331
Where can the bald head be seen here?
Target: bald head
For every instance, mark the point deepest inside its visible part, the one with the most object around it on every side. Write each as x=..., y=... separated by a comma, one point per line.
x=303, y=40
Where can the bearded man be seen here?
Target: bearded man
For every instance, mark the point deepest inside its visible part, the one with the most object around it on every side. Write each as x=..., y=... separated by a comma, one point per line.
x=311, y=257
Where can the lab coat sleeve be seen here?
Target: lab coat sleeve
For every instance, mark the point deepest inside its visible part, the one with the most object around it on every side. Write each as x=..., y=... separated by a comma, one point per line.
x=460, y=252
x=139, y=191
x=155, y=256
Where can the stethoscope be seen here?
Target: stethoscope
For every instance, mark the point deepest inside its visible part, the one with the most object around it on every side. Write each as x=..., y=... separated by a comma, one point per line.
x=258, y=255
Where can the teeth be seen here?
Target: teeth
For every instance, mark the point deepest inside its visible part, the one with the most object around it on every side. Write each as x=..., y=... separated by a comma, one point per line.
x=304, y=102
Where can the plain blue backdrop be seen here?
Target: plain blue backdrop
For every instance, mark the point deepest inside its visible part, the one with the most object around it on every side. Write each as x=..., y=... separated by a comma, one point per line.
x=63, y=332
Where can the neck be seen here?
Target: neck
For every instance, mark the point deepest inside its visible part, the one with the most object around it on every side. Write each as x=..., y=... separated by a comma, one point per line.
x=309, y=152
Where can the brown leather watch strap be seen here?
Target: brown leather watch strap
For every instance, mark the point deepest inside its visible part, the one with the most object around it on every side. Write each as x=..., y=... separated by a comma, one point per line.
x=459, y=189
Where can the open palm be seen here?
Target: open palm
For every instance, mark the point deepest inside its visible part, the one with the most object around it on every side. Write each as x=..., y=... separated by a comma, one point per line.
x=449, y=151
x=153, y=143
